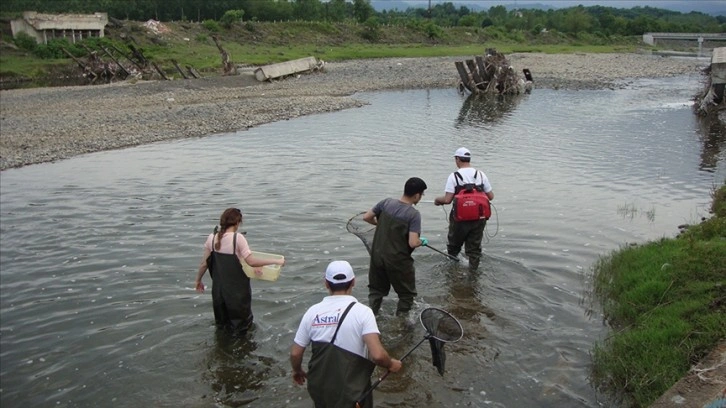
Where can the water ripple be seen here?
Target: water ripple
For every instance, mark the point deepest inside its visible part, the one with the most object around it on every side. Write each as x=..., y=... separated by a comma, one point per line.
x=98, y=253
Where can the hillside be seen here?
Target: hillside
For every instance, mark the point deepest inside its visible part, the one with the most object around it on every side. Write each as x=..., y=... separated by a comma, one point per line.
x=258, y=43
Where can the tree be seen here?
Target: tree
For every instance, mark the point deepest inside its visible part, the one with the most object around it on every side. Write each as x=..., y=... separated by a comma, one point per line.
x=362, y=10
x=231, y=16
x=337, y=10
x=309, y=10
x=498, y=14
x=470, y=20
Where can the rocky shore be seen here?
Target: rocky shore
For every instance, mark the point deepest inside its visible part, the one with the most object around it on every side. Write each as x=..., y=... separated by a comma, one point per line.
x=47, y=124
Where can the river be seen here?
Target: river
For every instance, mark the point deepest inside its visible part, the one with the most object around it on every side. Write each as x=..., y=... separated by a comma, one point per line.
x=98, y=253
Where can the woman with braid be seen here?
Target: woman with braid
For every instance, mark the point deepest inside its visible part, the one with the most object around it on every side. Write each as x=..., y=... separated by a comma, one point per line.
x=231, y=289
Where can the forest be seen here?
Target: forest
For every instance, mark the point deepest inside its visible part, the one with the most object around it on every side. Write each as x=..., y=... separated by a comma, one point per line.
x=595, y=20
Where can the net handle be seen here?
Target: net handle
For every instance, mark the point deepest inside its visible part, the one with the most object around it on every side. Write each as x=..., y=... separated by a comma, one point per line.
x=453, y=258
x=427, y=336
x=383, y=377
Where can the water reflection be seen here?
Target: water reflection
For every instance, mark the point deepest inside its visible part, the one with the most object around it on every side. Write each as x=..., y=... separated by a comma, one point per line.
x=480, y=109
x=234, y=372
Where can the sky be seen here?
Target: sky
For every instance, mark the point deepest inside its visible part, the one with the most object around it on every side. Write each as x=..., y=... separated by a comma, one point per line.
x=683, y=6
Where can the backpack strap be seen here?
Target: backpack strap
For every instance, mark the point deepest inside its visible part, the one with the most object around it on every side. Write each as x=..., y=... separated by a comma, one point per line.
x=457, y=177
x=341, y=321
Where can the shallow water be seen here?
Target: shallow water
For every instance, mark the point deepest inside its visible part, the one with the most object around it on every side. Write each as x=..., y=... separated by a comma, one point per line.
x=98, y=253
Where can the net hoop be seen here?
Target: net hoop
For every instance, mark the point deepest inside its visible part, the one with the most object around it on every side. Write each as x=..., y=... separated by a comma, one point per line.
x=441, y=325
x=361, y=229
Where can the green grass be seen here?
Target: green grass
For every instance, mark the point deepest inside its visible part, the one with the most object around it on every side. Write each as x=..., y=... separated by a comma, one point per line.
x=665, y=302
x=21, y=65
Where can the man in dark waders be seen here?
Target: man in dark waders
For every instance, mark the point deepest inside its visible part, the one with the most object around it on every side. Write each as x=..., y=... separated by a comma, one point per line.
x=345, y=343
x=398, y=233
x=467, y=233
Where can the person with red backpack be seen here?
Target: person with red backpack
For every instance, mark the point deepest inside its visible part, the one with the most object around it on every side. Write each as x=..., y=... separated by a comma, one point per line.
x=469, y=191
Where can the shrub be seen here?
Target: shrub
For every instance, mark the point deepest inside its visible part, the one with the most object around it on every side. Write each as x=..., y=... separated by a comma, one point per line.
x=25, y=42
x=371, y=30
x=470, y=20
x=54, y=49
x=230, y=17
x=433, y=31
x=211, y=25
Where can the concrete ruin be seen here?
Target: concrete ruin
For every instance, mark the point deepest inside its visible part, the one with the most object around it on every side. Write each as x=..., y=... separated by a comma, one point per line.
x=72, y=27
x=713, y=99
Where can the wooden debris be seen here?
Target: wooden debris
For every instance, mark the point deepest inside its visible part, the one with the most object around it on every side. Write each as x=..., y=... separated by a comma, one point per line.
x=228, y=68
x=193, y=72
x=176, y=65
x=492, y=73
x=159, y=70
x=121, y=67
x=93, y=67
x=140, y=61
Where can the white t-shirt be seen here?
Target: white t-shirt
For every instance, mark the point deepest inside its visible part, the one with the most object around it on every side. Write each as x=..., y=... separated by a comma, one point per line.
x=243, y=249
x=321, y=320
x=468, y=173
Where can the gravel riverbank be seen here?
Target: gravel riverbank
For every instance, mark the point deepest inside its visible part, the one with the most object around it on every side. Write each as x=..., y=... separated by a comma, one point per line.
x=47, y=124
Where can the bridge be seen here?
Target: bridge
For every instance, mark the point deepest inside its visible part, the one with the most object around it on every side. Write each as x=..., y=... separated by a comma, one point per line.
x=654, y=38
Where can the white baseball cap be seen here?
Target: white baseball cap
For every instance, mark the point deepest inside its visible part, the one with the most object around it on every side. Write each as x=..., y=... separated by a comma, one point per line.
x=336, y=269
x=462, y=152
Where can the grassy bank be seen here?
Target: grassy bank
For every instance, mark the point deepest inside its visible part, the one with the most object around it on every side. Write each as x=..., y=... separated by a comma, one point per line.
x=259, y=43
x=666, y=304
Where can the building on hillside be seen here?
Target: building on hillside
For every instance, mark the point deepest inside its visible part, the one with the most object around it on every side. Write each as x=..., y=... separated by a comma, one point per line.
x=73, y=27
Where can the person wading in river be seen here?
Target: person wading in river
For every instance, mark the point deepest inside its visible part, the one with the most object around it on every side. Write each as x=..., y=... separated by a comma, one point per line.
x=231, y=289
x=346, y=344
x=468, y=231
x=398, y=233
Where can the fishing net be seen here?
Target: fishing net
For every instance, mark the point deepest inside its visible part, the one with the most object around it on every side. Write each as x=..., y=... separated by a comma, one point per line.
x=360, y=228
x=441, y=327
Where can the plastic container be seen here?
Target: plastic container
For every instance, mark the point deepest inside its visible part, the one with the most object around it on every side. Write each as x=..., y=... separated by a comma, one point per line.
x=269, y=272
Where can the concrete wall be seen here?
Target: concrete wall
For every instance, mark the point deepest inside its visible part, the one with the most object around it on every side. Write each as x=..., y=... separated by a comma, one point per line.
x=73, y=27
x=686, y=40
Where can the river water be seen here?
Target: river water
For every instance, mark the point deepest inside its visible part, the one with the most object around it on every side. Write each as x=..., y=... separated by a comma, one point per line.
x=98, y=253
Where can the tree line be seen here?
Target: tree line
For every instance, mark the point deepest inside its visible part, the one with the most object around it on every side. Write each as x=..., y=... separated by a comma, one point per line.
x=597, y=20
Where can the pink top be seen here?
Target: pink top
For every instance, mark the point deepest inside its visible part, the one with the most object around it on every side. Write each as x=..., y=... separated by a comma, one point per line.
x=243, y=249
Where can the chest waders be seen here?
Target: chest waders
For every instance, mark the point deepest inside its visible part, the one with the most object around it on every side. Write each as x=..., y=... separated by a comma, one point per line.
x=391, y=265
x=468, y=234
x=231, y=290
x=390, y=244
x=338, y=377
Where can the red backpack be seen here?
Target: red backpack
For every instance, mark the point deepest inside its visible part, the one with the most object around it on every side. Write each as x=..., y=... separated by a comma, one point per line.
x=470, y=201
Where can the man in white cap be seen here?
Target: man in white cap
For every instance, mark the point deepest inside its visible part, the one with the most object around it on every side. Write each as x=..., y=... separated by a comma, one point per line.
x=346, y=345
x=464, y=230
